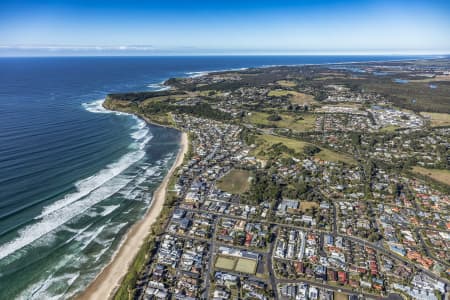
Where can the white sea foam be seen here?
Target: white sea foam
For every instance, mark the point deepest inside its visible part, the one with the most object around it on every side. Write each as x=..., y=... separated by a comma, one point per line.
x=89, y=192
x=56, y=218
x=198, y=74
x=103, y=251
x=108, y=209
x=114, y=230
x=85, y=186
x=202, y=73
x=96, y=107
x=40, y=289
x=88, y=237
x=157, y=87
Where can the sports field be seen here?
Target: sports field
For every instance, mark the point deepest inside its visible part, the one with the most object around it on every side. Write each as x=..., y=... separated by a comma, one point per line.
x=227, y=263
x=245, y=265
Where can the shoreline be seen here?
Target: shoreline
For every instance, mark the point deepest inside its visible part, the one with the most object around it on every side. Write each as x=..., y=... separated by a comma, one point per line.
x=109, y=279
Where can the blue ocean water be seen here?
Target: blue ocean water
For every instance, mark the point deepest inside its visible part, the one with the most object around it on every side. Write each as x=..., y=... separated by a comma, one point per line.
x=74, y=177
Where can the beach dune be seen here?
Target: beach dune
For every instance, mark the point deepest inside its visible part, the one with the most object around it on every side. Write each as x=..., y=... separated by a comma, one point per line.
x=107, y=282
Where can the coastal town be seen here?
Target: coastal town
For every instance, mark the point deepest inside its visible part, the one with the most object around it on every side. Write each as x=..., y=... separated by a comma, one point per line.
x=313, y=182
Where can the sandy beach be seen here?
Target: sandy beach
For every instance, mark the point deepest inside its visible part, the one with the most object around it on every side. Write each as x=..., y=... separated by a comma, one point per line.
x=106, y=283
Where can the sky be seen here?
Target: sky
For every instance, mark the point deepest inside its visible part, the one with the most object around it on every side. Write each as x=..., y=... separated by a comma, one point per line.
x=138, y=27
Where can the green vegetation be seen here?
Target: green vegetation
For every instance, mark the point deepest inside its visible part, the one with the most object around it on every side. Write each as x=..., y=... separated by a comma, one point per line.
x=280, y=93
x=162, y=119
x=390, y=128
x=416, y=96
x=225, y=262
x=308, y=205
x=128, y=284
x=287, y=83
x=142, y=96
x=274, y=118
x=439, y=175
x=245, y=265
x=296, y=122
x=437, y=119
x=273, y=146
x=242, y=265
x=199, y=110
x=235, y=182
x=340, y=296
x=311, y=150
x=264, y=187
x=294, y=96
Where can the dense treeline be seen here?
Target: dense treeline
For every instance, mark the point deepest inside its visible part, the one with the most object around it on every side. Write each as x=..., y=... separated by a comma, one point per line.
x=248, y=136
x=264, y=187
x=141, y=96
x=199, y=110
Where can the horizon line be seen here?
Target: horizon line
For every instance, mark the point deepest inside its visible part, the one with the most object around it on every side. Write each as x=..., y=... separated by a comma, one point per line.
x=358, y=53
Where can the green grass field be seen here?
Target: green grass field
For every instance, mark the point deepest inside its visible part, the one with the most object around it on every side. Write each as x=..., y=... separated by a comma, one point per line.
x=390, y=128
x=437, y=119
x=436, y=174
x=294, y=97
x=287, y=83
x=340, y=296
x=245, y=265
x=224, y=262
x=305, y=205
x=329, y=155
x=235, y=182
x=265, y=141
x=299, y=122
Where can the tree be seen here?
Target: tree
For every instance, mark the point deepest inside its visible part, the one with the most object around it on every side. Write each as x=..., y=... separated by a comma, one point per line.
x=310, y=150
x=274, y=118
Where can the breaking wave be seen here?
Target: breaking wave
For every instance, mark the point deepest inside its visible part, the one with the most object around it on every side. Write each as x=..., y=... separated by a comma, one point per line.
x=88, y=191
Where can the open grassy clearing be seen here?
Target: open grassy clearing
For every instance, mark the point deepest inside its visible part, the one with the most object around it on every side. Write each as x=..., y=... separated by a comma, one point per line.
x=161, y=118
x=294, y=97
x=224, y=262
x=390, y=128
x=279, y=93
x=340, y=296
x=150, y=101
x=437, y=119
x=287, y=83
x=436, y=174
x=245, y=265
x=351, y=105
x=329, y=77
x=302, y=99
x=433, y=79
x=265, y=141
x=269, y=140
x=332, y=156
x=207, y=93
x=305, y=205
x=298, y=122
x=235, y=182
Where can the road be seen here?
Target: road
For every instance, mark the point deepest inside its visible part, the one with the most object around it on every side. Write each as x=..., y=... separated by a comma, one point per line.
x=352, y=238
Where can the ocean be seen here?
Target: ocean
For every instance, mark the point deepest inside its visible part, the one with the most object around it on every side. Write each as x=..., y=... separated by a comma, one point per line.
x=74, y=176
